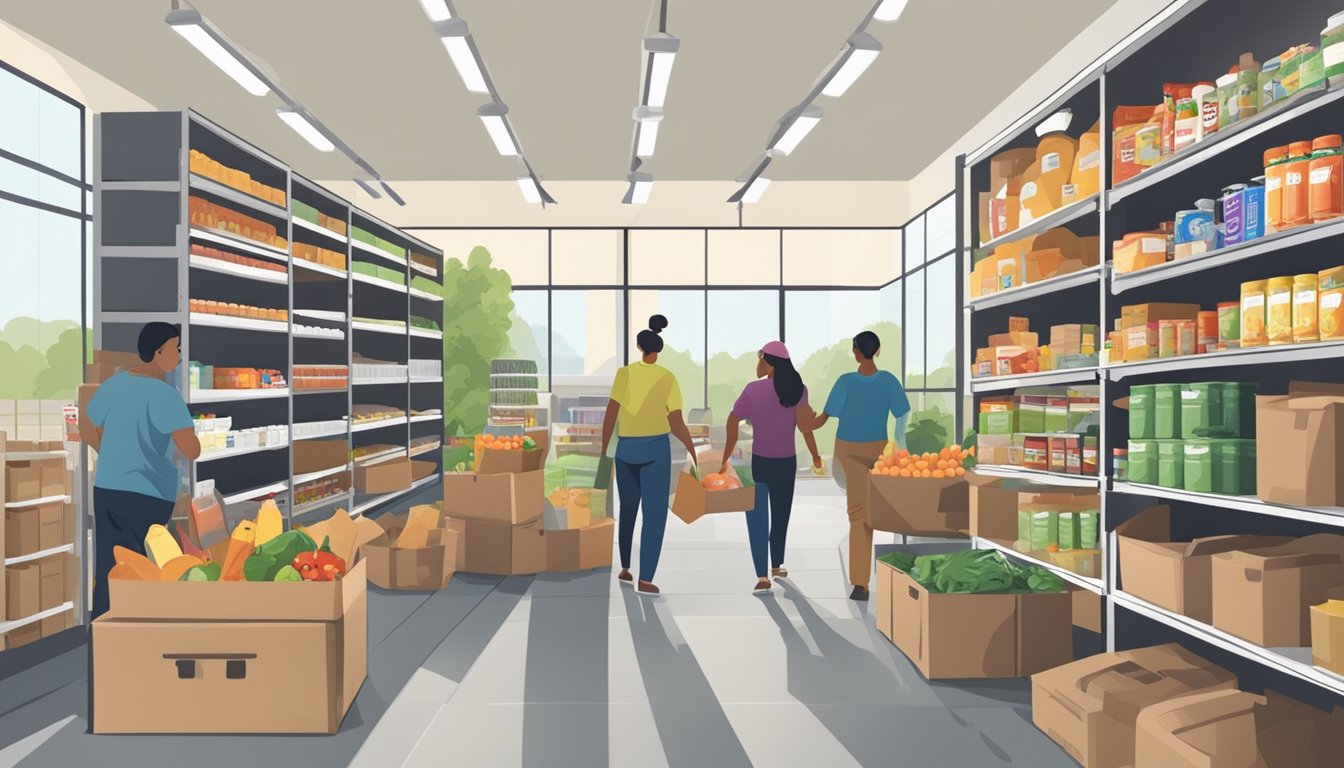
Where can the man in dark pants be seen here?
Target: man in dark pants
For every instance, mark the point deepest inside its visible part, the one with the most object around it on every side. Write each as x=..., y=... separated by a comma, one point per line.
x=130, y=421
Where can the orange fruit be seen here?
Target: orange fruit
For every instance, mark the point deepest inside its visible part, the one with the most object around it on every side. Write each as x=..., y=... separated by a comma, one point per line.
x=940, y=474
x=905, y=473
x=961, y=471
x=925, y=473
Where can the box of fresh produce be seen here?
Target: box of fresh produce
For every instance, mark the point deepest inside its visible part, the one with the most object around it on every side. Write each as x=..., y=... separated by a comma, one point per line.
x=926, y=505
x=507, y=454
x=962, y=613
x=704, y=490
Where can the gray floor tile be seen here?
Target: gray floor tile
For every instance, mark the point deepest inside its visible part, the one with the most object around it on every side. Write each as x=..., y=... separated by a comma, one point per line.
x=488, y=736
x=787, y=733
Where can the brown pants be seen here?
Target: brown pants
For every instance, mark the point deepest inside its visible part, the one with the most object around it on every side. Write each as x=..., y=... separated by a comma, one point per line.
x=856, y=461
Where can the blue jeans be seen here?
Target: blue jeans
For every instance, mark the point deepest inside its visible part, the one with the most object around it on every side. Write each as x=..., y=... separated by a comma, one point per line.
x=643, y=476
x=769, y=519
x=120, y=518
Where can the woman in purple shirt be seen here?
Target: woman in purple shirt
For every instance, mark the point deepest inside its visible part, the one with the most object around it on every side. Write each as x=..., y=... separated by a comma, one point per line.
x=776, y=405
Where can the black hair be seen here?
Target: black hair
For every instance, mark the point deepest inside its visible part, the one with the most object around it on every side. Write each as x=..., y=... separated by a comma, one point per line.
x=788, y=382
x=649, y=341
x=867, y=344
x=155, y=335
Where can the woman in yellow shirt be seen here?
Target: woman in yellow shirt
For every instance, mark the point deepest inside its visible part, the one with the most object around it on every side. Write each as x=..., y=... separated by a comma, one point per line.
x=646, y=402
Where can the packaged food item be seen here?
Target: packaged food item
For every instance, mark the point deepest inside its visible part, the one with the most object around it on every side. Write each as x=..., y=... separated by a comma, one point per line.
x=1227, y=99
x=1248, y=86
x=1253, y=210
x=1182, y=116
x=1194, y=231
x=1086, y=176
x=1332, y=47
x=1279, y=299
x=1042, y=185
x=1330, y=299
x=1271, y=88
x=1326, y=178
x=1197, y=94
x=1234, y=214
x=1166, y=338
x=1276, y=164
x=1185, y=337
x=1296, y=180
x=1304, y=308
x=1229, y=324
x=1129, y=123
x=1206, y=331
x=1253, y=329
x=1210, y=111
x=1139, y=250
x=1119, y=465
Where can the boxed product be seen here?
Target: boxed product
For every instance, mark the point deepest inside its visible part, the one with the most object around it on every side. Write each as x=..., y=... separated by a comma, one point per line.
x=919, y=506
x=23, y=591
x=498, y=462
x=993, y=508
x=1090, y=707
x=515, y=499
x=317, y=455
x=52, y=572
x=580, y=549
x=384, y=477
x=413, y=552
x=23, y=531
x=23, y=481
x=1177, y=576
x=703, y=492
x=1230, y=728
x=248, y=656
x=1327, y=632
x=1265, y=595
x=974, y=636
x=502, y=549
x=1143, y=315
x=568, y=508
x=17, y=638
x=1298, y=438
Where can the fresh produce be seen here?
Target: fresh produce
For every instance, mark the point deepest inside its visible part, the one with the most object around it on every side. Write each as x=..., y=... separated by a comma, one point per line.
x=204, y=572
x=269, y=522
x=135, y=563
x=240, y=546
x=949, y=462
x=287, y=573
x=720, y=482
x=974, y=571
x=176, y=568
x=268, y=559
x=161, y=546
x=319, y=564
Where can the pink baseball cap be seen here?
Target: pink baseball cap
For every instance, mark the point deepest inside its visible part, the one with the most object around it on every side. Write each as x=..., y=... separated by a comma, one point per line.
x=776, y=349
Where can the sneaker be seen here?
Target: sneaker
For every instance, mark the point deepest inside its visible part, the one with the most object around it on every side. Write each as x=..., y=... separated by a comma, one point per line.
x=625, y=575
x=762, y=586
x=780, y=572
x=648, y=588
x=860, y=594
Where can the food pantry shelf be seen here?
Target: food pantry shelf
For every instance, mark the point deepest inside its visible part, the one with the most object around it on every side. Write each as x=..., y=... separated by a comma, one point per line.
x=426, y=333
x=238, y=270
x=380, y=457
x=309, y=477
x=35, y=455
x=231, y=452
x=426, y=379
x=319, y=229
x=327, y=391
x=38, y=502
x=302, y=334
x=240, y=244
x=1291, y=661
x=265, y=490
x=231, y=395
x=1040, y=379
x=1318, y=515
x=1037, y=476
x=39, y=555
x=1285, y=353
x=422, y=450
x=427, y=417
x=360, y=277
x=1037, y=290
x=394, y=330
x=1279, y=241
x=374, y=250
x=367, y=425
x=383, y=499
x=1086, y=582
x=1226, y=138
x=238, y=323
x=10, y=626
x=422, y=269
x=236, y=197
x=321, y=269
x=1057, y=218
x=321, y=314
x=319, y=435
x=416, y=292
x=320, y=504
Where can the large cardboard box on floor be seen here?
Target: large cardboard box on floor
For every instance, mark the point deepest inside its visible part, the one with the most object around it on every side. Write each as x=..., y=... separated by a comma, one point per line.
x=413, y=551
x=580, y=549
x=693, y=501
x=1300, y=445
x=1265, y=595
x=513, y=498
x=1234, y=729
x=501, y=549
x=963, y=636
x=919, y=506
x=233, y=657
x=1177, y=576
x=1089, y=707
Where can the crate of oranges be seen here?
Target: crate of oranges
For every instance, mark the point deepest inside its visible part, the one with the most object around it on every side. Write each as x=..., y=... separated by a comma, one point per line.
x=507, y=454
x=921, y=494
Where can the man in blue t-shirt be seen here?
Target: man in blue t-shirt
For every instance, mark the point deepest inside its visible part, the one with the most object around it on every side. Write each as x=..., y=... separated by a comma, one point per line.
x=861, y=401
x=132, y=421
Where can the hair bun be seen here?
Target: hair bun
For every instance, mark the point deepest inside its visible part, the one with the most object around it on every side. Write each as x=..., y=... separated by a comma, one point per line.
x=657, y=323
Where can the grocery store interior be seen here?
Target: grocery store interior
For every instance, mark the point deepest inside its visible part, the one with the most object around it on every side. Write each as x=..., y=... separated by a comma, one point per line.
x=944, y=384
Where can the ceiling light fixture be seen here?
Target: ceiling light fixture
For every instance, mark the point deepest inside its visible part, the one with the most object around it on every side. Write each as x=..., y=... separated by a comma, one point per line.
x=794, y=128
x=646, y=131
x=495, y=118
x=392, y=193
x=461, y=47
x=305, y=127
x=222, y=52
x=641, y=185
x=368, y=188
x=437, y=10
x=887, y=11
x=659, y=52
x=753, y=184
x=531, y=189
x=860, y=52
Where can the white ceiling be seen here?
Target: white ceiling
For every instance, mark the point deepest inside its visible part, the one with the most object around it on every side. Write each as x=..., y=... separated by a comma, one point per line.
x=374, y=72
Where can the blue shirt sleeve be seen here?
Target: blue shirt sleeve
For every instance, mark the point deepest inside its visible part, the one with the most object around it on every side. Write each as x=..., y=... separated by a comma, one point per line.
x=167, y=412
x=836, y=402
x=97, y=412
x=900, y=404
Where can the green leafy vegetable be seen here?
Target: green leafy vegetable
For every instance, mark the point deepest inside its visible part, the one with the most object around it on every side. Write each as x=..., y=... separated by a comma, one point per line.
x=205, y=572
x=259, y=566
x=974, y=571
x=287, y=573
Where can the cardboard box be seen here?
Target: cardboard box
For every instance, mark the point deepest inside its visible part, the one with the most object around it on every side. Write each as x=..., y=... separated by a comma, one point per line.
x=580, y=549
x=385, y=477
x=54, y=625
x=17, y=638
x=238, y=651
x=501, y=549
x=317, y=455
x=962, y=636
x=1300, y=445
x=1087, y=609
x=993, y=508
x=23, y=481
x=919, y=507
x=422, y=469
x=692, y=502
x=52, y=580
x=1177, y=576
x=23, y=528
x=1231, y=729
x=494, y=462
x=458, y=527
x=1265, y=595
x=1089, y=707
x=23, y=591
x=882, y=597
x=51, y=526
x=515, y=498
x=1141, y=315
x=566, y=518
x=1327, y=632
x=425, y=568
x=55, y=478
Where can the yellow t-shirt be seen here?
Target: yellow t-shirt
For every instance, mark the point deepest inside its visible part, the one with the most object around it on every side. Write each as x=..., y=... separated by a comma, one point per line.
x=647, y=394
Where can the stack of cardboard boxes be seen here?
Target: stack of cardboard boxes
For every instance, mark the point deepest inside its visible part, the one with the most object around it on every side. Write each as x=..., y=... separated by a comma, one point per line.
x=1153, y=331
x=1019, y=350
x=1027, y=184
x=38, y=518
x=1055, y=253
x=1059, y=527
x=1045, y=429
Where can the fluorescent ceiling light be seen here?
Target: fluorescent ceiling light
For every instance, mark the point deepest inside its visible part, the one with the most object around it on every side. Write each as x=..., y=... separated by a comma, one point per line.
x=462, y=49
x=436, y=10
x=193, y=27
x=755, y=190
x=303, y=126
x=531, y=190
x=859, y=54
x=888, y=11
x=641, y=184
x=392, y=193
x=647, y=132
x=793, y=132
x=751, y=191
x=660, y=50
x=496, y=124
x=368, y=188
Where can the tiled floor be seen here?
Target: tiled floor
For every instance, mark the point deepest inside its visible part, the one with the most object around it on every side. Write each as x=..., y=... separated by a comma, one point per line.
x=575, y=670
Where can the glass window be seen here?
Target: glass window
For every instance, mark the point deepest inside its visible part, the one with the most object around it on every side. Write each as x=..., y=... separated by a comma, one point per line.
x=932, y=422
x=744, y=256
x=41, y=349
x=523, y=253
x=888, y=328
x=941, y=349
x=940, y=223
x=740, y=323
x=841, y=257
x=585, y=334
x=587, y=257
x=530, y=329
x=40, y=126
x=915, y=368
x=683, y=339
x=914, y=242
x=667, y=257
